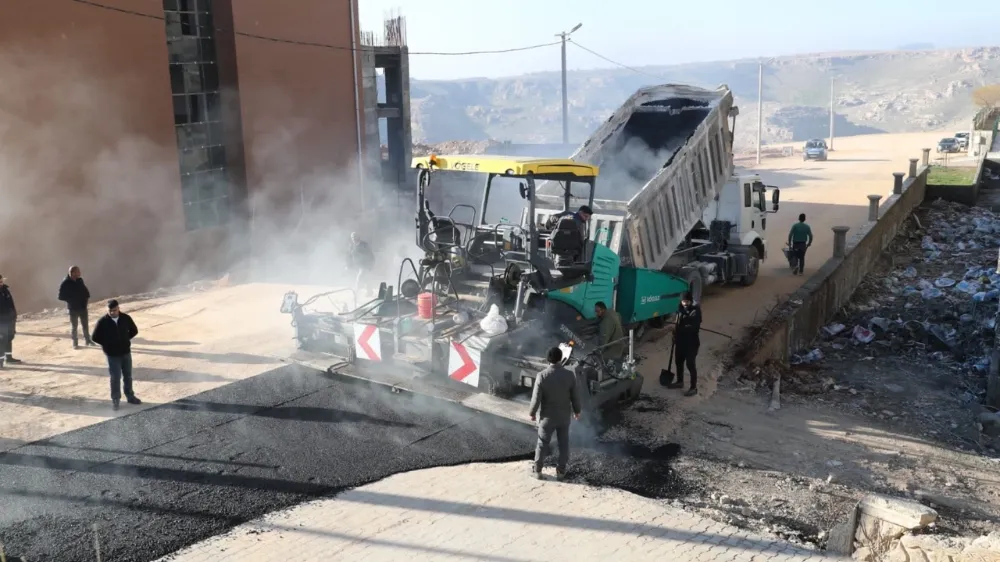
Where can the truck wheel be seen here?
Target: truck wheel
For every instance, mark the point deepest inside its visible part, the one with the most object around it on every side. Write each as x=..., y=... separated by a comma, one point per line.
x=694, y=280
x=753, y=267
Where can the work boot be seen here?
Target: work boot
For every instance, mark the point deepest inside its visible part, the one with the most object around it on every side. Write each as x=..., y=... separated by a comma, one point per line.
x=134, y=400
x=691, y=392
x=91, y=344
x=676, y=384
x=76, y=345
x=560, y=475
x=10, y=359
x=537, y=474
x=116, y=405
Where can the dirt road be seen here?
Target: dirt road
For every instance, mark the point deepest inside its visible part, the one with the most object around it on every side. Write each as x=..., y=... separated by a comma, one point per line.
x=795, y=450
x=831, y=193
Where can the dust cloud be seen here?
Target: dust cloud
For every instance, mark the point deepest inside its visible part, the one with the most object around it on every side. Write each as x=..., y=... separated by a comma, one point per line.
x=78, y=183
x=88, y=177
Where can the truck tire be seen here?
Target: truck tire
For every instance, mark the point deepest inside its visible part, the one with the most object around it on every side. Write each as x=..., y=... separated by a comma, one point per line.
x=753, y=267
x=694, y=280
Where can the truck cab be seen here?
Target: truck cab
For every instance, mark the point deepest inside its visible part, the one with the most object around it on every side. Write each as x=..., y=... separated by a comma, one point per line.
x=743, y=203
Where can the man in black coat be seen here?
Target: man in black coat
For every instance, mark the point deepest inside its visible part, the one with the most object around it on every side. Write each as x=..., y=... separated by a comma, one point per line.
x=73, y=291
x=114, y=333
x=687, y=340
x=8, y=323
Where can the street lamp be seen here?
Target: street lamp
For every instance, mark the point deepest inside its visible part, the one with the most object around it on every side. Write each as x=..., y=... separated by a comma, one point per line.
x=760, y=102
x=565, y=100
x=832, y=80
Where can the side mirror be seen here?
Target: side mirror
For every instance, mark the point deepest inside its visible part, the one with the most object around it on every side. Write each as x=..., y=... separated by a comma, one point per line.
x=523, y=189
x=775, y=197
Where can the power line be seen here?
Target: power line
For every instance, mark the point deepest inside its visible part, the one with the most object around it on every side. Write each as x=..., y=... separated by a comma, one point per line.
x=614, y=62
x=320, y=45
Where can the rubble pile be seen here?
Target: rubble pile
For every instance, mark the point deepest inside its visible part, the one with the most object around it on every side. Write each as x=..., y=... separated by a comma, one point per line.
x=937, y=302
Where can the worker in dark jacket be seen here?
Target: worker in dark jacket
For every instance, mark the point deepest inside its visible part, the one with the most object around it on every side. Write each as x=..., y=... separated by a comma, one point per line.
x=8, y=323
x=800, y=238
x=555, y=399
x=361, y=259
x=611, y=331
x=114, y=333
x=686, y=342
x=582, y=217
x=73, y=291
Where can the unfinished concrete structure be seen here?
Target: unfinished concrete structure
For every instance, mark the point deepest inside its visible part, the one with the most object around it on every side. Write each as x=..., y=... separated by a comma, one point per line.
x=386, y=84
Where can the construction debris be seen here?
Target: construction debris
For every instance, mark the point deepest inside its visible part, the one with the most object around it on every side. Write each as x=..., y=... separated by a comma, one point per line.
x=936, y=302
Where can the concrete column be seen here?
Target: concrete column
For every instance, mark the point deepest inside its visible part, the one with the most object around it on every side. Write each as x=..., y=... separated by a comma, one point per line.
x=927, y=157
x=897, y=178
x=873, y=207
x=913, y=167
x=840, y=241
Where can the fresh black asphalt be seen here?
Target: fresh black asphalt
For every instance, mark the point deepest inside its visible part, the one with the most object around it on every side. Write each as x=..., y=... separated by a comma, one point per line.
x=169, y=476
x=166, y=477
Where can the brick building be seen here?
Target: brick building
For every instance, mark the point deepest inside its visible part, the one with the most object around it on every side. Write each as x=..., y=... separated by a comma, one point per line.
x=139, y=139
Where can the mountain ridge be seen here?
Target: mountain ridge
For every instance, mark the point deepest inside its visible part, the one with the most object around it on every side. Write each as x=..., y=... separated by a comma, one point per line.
x=874, y=91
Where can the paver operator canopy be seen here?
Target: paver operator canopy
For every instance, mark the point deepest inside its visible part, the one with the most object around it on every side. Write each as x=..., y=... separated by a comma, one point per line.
x=558, y=256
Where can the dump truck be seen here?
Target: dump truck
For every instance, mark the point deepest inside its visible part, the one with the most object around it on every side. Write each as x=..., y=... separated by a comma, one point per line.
x=672, y=199
x=476, y=313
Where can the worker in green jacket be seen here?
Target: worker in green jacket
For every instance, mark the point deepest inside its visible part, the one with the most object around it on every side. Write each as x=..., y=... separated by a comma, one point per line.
x=611, y=331
x=800, y=237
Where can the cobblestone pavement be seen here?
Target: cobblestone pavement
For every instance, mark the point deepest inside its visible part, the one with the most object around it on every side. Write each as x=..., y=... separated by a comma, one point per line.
x=496, y=513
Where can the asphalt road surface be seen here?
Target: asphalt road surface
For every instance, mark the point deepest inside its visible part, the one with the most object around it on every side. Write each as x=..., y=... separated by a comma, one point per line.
x=169, y=476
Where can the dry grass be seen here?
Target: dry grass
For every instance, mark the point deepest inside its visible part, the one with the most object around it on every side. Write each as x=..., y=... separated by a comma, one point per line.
x=941, y=175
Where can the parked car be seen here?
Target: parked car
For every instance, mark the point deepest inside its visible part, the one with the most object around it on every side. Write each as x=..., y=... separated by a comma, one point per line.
x=963, y=140
x=814, y=149
x=947, y=145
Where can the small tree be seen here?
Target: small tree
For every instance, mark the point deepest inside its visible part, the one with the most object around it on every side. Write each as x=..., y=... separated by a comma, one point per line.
x=987, y=96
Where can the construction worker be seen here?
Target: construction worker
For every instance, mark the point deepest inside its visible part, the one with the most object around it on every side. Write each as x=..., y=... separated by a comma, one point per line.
x=8, y=323
x=686, y=342
x=582, y=217
x=74, y=292
x=800, y=237
x=554, y=399
x=611, y=331
x=361, y=259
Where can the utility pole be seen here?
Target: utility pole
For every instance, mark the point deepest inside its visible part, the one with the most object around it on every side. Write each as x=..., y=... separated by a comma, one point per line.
x=565, y=96
x=830, y=147
x=760, y=105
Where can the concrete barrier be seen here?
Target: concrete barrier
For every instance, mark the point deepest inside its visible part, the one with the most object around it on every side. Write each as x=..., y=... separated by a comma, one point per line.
x=794, y=323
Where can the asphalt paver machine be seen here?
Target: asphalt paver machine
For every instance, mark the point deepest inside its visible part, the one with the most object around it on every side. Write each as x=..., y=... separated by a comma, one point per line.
x=541, y=280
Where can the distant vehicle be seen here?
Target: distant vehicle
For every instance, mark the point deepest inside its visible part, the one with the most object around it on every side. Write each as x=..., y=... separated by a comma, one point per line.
x=949, y=144
x=814, y=149
x=963, y=140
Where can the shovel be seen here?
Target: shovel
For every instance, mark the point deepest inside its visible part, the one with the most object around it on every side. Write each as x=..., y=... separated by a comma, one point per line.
x=666, y=375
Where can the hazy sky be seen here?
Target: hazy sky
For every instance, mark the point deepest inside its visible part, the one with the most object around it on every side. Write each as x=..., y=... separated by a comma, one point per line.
x=645, y=32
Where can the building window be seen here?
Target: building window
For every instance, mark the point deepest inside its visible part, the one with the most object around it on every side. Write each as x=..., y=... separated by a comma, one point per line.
x=194, y=82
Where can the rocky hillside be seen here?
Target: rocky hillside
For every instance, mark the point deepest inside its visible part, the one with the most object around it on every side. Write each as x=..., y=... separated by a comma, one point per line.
x=893, y=91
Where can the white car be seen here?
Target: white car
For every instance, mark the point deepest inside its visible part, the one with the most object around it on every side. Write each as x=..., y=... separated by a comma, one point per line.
x=962, y=139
